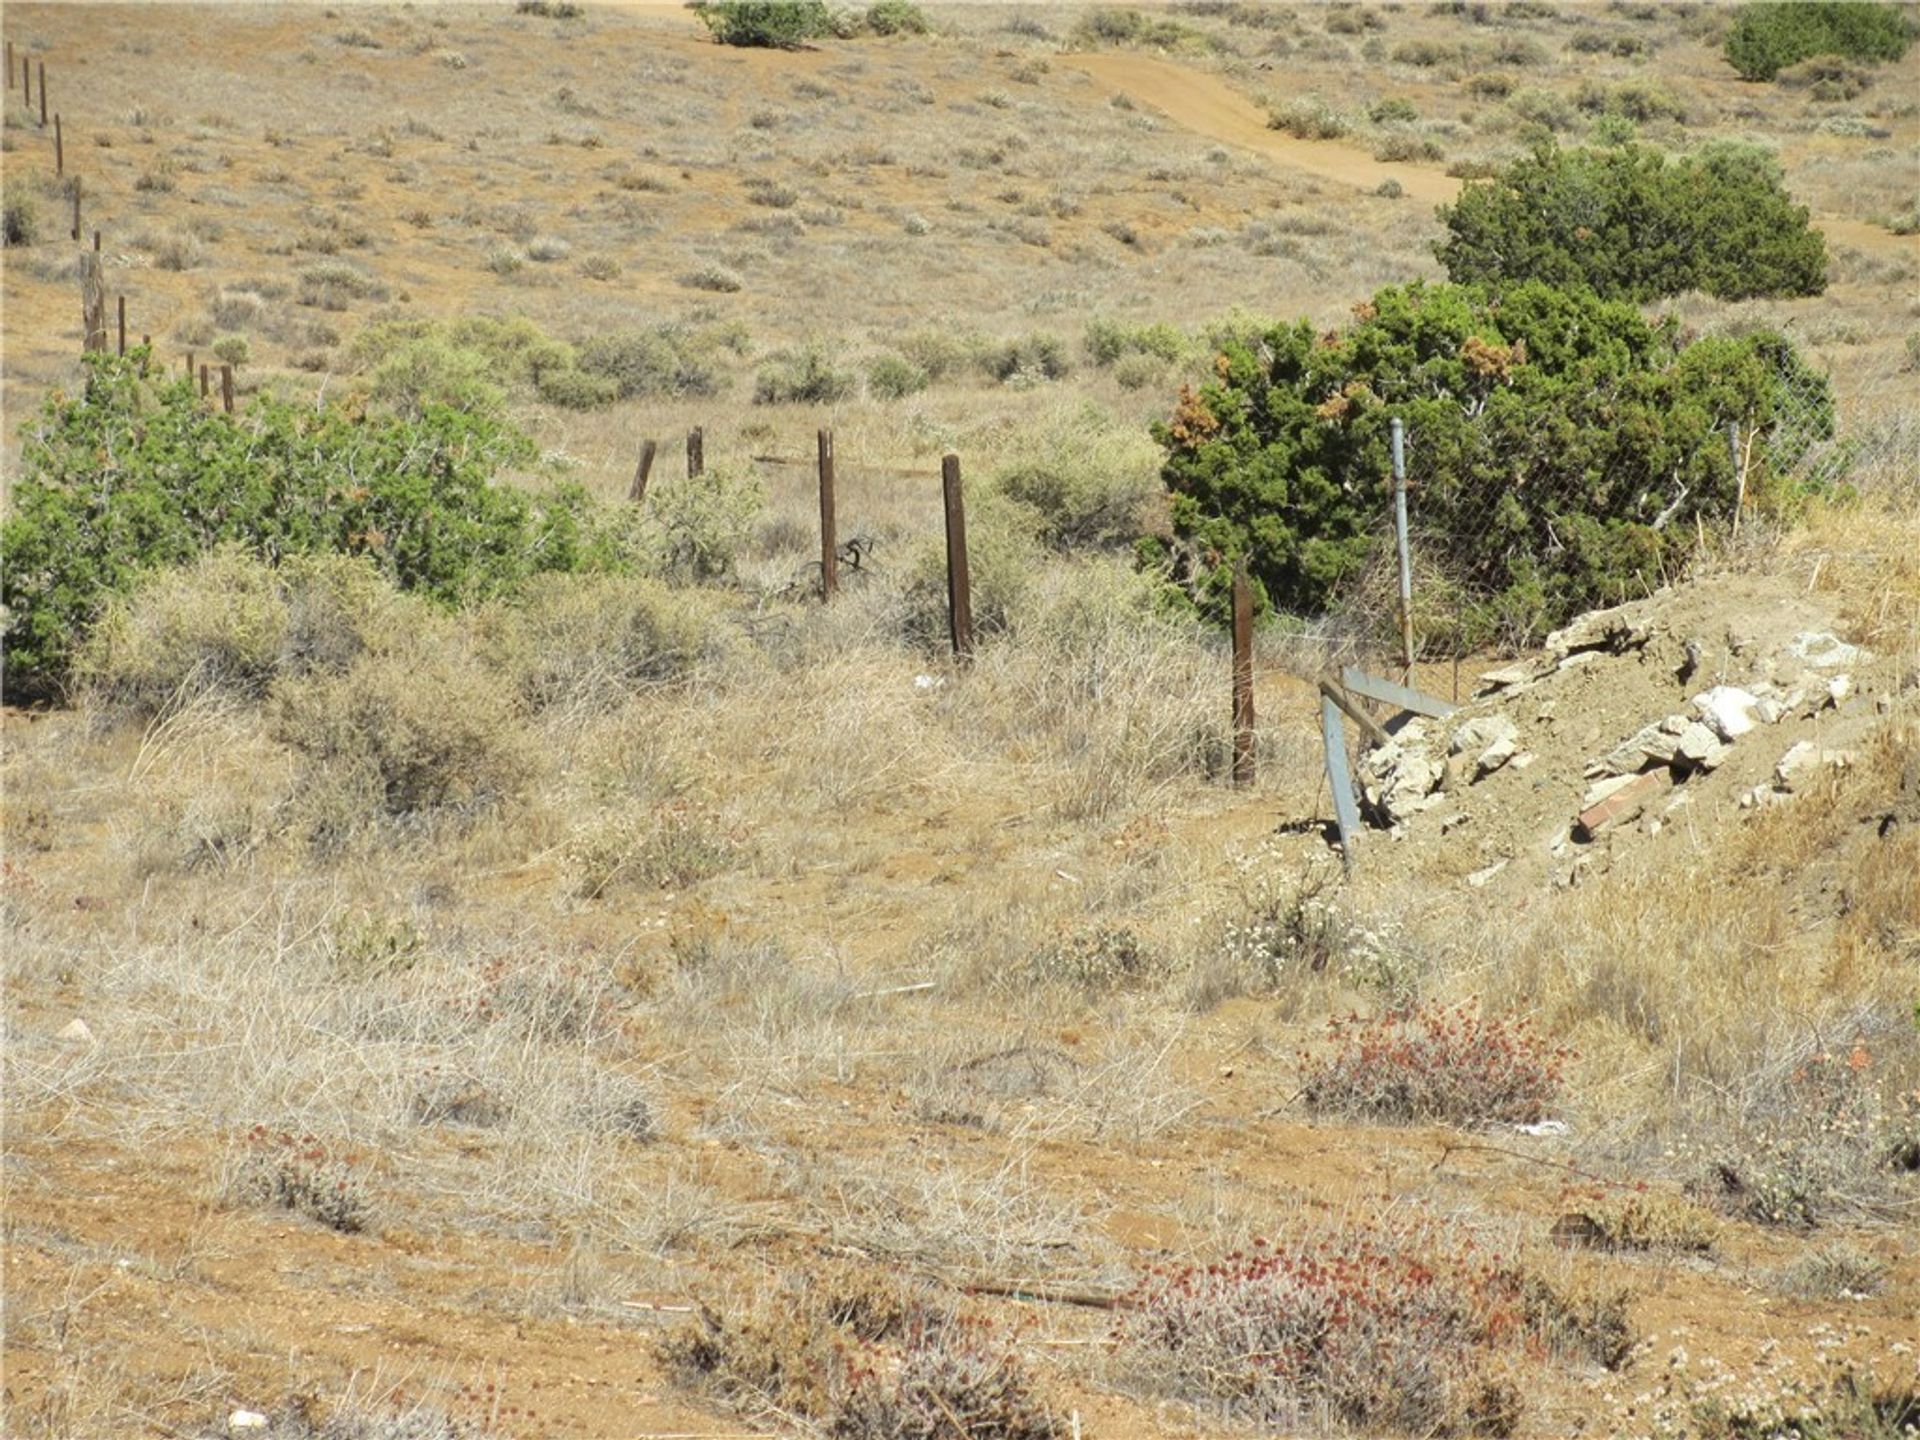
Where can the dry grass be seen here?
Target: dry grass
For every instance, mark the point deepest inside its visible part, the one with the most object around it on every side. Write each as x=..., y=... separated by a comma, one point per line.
x=648, y=936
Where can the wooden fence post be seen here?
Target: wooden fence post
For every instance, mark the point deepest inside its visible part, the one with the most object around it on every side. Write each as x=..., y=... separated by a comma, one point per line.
x=26, y=81
x=829, y=539
x=96, y=234
x=696, y=453
x=9, y=64
x=638, y=492
x=226, y=388
x=189, y=367
x=59, y=147
x=43, y=94
x=959, y=586
x=76, y=211
x=123, y=324
x=1243, y=759
x=206, y=382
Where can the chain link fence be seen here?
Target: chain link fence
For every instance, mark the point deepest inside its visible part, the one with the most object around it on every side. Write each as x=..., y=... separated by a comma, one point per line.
x=1506, y=537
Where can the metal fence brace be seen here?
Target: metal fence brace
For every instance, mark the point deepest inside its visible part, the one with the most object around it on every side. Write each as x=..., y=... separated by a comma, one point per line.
x=1346, y=814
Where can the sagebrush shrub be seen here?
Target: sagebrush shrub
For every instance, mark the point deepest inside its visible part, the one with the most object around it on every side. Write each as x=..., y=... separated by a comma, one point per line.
x=410, y=733
x=1088, y=479
x=593, y=641
x=1433, y=1064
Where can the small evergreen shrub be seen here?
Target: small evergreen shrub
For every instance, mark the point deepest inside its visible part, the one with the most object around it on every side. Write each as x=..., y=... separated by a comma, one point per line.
x=1631, y=224
x=1771, y=35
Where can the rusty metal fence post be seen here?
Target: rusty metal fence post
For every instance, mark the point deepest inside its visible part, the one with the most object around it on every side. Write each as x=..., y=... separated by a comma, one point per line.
x=959, y=585
x=1243, y=755
x=829, y=540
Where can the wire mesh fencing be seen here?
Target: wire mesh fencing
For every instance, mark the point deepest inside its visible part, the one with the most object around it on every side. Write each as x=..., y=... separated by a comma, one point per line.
x=1509, y=531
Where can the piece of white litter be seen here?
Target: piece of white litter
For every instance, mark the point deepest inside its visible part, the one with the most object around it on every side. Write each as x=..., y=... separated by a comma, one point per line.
x=1543, y=1127
x=246, y=1420
x=927, y=682
x=78, y=1032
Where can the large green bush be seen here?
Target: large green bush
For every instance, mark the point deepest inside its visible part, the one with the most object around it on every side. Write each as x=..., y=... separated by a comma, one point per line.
x=1561, y=448
x=1768, y=37
x=1632, y=224
x=775, y=24
x=128, y=475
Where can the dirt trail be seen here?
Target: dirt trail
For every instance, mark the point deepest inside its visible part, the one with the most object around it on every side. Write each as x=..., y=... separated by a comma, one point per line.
x=1207, y=105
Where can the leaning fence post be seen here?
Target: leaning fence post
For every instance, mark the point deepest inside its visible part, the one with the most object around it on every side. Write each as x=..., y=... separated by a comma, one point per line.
x=639, y=490
x=1243, y=758
x=959, y=586
x=696, y=453
x=829, y=540
x=1399, y=433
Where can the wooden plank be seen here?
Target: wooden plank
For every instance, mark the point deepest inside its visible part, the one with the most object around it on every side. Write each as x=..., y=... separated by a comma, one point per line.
x=1346, y=814
x=1387, y=693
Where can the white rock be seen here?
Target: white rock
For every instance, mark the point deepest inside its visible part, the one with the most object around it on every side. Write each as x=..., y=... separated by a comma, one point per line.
x=1769, y=712
x=246, y=1420
x=1700, y=747
x=1494, y=756
x=1481, y=877
x=1839, y=688
x=1481, y=732
x=1823, y=650
x=1806, y=755
x=928, y=682
x=1522, y=761
x=1729, y=709
x=78, y=1032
